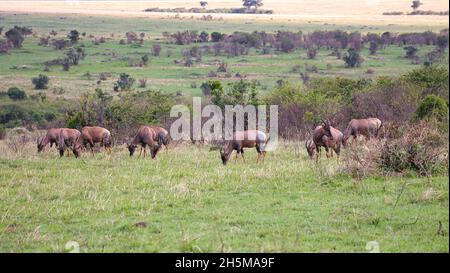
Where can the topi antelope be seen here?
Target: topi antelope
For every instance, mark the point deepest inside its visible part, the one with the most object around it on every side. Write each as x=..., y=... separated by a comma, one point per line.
x=163, y=136
x=369, y=127
x=51, y=137
x=328, y=137
x=67, y=139
x=91, y=135
x=246, y=139
x=145, y=136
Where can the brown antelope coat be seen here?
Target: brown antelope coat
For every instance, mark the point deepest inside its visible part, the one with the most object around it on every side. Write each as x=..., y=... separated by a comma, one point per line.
x=245, y=139
x=51, y=137
x=163, y=135
x=91, y=135
x=67, y=140
x=328, y=137
x=145, y=136
x=369, y=127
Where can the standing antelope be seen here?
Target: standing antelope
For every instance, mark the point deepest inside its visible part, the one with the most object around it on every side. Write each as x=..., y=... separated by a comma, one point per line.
x=369, y=127
x=246, y=139
x=91, y=135
x=328, y=137
x=145, y=136
x=67, y=140
x=51, y=137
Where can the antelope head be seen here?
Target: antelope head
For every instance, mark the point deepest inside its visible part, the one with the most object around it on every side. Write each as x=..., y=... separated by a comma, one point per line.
x=326, y=125
x=131, y=148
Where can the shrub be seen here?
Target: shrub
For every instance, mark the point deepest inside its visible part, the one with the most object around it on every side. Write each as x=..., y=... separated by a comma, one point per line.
x=216, y=37
x=40, y=82
x=422, y=148
x=373, y=48
x=410, y=52
x=60, y=44
x=352, y=58
x=222, y=67
x=15, y=37
x=124, y=83
x=156, y=49
x=311, y=53
x=433, y=78
x=15, y=93
x=145, y=59
x=4, y=47
x=142, y=83
x=432, y=107
x=73, y=36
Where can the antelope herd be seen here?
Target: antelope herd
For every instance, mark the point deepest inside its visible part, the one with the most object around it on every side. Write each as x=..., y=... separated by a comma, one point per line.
x=154, y=137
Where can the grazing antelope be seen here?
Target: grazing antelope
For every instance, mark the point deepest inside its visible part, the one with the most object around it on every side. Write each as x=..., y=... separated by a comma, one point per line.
x=145, y=136
x=163, y=136
x=246, y=139
x=67, y=140
x=91, y=135
x=328, y=137
x=369, y=127
x=51, y=137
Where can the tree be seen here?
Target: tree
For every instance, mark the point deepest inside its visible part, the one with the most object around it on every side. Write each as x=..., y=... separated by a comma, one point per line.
x=410, y=52
x=373, y=48
x=25, y=31
x=216, y=36
x=204, y=37
x=416, y=4
x=40, y=82
x=15, y=38
x=352, y=58
x=145, y=59
x=15, y=93
x=203, y=4
x=73, y=36
x=442, y=42
x=252, y=3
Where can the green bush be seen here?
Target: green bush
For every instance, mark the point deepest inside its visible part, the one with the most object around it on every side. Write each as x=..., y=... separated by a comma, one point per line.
x=433, y=78
x=352, y=58
x=432, y=107
x=15, y=93
x=41, y=82
x=124, y=83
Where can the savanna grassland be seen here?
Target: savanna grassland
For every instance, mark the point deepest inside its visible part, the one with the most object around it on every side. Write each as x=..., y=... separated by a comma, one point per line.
x=21, y=65
x=186, y=200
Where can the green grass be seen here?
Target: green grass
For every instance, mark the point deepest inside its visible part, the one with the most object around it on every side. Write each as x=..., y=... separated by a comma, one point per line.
x=190, y=202
x=161, y=72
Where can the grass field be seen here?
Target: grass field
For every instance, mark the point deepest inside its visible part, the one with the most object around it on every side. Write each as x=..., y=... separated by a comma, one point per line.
x=186, y=200
x=190, y=202
x=161, y=72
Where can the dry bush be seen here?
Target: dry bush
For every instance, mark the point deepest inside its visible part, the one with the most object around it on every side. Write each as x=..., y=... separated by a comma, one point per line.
x=362, y=160
x=421, y=147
